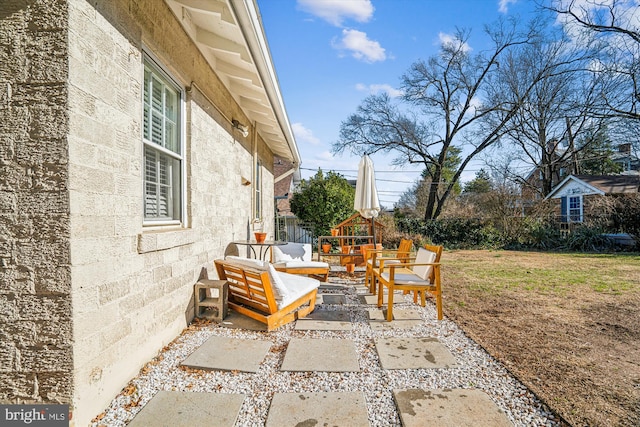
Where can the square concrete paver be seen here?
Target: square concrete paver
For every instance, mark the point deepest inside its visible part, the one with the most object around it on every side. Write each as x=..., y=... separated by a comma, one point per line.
x=184, y=409
x=229, y=354
x=373, y=299
x=413, y=353
x=402, y=319
x=324, y=320
x=448, y=408
x=336, y=299
x=318, y=409
x=322, y=355
x=362, y=290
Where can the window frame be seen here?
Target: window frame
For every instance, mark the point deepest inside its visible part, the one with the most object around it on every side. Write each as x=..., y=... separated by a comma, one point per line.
x=150, y=63
x=576, y=211
x=257, y=191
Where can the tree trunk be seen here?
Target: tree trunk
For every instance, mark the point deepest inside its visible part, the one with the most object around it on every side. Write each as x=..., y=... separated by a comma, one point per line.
x=430, y=210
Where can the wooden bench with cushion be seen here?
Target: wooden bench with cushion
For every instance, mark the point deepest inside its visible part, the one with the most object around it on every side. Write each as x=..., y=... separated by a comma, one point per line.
x=295, y=258
x=258, y=291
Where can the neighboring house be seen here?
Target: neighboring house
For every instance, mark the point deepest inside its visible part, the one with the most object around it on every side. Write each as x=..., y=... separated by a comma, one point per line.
x=629, y=162
x=577, y=194
x=561, y=164
x=286, y=176
x=137, y=140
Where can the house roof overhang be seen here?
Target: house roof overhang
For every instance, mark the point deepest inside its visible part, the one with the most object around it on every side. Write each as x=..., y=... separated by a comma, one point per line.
x=592, y=184
x=229, y=34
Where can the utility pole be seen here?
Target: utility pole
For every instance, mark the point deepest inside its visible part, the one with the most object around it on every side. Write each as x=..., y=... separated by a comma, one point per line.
x=574, y=157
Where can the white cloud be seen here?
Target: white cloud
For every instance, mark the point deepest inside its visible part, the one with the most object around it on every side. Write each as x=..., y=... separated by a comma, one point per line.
x=503, y=5
x=448, y=39
x=336, y=11
x=374, y=89
x=304, y=134
x=360, y=46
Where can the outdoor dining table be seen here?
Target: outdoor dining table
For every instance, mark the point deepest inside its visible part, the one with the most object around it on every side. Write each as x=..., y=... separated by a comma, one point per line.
x=264, y=246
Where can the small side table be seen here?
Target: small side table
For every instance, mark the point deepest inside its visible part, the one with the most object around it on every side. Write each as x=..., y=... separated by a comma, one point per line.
x=211, y=299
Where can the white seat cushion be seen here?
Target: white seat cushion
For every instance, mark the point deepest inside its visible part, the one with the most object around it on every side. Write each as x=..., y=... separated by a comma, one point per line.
x=292, y=252
x=295, y=285
x=248, y=262
x=386, y=261
x=406, y=279
x=280, y=290
x=304, y=264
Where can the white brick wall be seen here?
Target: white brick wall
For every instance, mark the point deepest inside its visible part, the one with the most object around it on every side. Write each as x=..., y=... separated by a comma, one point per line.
x=132, y=288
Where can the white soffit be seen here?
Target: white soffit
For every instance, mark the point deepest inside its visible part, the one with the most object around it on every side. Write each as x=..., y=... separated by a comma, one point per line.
x=230, y=36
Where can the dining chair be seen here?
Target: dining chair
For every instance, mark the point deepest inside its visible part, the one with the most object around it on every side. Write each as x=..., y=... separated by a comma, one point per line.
x=421, y=276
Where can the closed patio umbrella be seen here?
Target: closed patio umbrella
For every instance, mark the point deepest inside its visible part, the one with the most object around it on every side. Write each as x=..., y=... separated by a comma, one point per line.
x=366, y=201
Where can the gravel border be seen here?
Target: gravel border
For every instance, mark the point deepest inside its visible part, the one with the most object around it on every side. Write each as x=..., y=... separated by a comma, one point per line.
x=475, y=369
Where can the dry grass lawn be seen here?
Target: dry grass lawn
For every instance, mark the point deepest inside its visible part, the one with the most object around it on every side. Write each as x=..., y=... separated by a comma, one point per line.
x=567, y=325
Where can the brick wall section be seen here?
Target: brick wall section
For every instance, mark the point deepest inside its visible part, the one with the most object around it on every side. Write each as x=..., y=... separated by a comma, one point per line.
x=132, y=286
x=36, y=355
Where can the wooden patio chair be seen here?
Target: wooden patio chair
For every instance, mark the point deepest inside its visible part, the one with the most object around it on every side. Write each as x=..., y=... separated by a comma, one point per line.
x=421, y=276
x=372, y=259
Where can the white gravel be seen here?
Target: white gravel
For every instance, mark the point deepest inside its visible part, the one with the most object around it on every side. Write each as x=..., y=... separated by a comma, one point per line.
x=475, y=369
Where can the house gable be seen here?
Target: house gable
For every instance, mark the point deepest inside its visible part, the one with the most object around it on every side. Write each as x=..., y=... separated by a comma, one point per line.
x=573, y=186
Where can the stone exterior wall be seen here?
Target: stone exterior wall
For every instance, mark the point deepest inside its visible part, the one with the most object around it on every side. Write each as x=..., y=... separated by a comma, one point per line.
x=92, y=294
x=36, y=355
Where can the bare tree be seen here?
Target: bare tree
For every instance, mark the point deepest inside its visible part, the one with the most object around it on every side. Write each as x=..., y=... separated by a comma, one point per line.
x=616, y=24
x=446, y=103
x=555, y=110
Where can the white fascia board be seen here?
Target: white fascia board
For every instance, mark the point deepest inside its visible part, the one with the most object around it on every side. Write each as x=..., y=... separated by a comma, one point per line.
x=246, y=11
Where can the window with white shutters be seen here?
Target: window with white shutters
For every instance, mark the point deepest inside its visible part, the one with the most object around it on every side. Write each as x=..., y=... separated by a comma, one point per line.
x=161, y=135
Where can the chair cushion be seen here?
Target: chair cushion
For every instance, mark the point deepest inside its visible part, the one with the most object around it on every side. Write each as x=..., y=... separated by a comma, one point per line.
x=280, y=290
x=292, y=252
x=256, y=264
x=305, y=264
x=386, y=262
x=406, y=279
x=423, y=257
x=296, y=286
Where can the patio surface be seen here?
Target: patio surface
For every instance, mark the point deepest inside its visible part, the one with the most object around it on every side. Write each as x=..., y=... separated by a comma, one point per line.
x=320, y=345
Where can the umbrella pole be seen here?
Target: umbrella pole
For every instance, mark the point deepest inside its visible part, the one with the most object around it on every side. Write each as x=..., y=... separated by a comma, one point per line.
x=373, y=232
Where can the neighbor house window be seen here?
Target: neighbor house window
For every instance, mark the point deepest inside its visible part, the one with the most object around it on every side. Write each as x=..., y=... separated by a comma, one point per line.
x=258, y=190
x=575, y=209
x=162, y=142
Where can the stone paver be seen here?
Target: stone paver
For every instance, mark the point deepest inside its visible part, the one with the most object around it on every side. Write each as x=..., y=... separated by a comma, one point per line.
x=362, y=290
x=325, y=320
x=229, y=354
x=336, y=299
x=413, y=353
x=448, y=408
x=373, y=299
x=320, y=355
x=185, y=409
x=403, y=319
x=318, y=409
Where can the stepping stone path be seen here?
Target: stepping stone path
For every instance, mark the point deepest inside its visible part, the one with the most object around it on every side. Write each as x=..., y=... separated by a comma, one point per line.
x=320, y=355
x=309, y=355
x=318, y=409
x=184, y=409
x=448, y=408
x=229, y=354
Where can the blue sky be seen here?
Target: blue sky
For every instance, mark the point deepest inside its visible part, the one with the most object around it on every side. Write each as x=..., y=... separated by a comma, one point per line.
x=330, y=54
